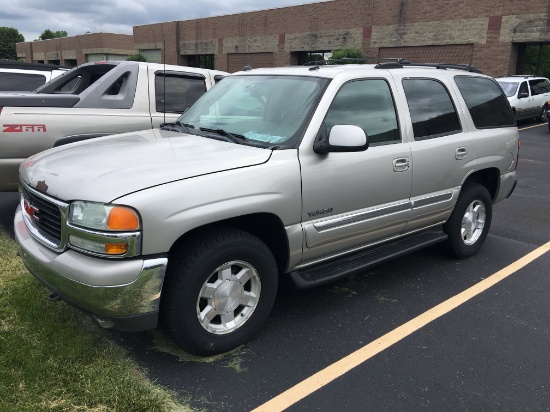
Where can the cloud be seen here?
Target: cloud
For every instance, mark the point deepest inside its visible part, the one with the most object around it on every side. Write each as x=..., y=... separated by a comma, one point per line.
x=32, y=17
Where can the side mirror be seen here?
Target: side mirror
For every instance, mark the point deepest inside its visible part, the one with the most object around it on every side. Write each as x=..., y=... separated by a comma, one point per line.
x=523, y=95
x=342, y=138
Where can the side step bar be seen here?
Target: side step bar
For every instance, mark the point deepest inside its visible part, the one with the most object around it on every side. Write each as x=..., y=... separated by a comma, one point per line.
x=344, y=266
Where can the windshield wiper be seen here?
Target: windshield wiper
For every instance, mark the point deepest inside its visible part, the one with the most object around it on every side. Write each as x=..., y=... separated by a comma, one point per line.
x=235, y=138
x=175, y=127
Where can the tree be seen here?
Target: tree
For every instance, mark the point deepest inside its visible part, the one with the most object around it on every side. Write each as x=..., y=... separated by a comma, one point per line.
x=136, y=57
x=8, y=37
x=48, y=34
x=349, y=53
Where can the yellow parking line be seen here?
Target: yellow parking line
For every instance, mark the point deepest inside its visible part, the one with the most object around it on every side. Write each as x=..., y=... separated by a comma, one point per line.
x=530, y=127
x=330, y=373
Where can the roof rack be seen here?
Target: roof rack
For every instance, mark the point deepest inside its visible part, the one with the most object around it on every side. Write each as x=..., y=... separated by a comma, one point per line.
x=354, y=60
x=391, y=63
x=442, y=66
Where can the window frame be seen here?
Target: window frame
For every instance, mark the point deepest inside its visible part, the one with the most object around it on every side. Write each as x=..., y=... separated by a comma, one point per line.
x=173, y=74
x=396, y=111
x=438, y=135
x=504, y=97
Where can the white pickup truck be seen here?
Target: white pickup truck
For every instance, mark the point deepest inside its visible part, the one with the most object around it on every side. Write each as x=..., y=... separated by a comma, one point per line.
x=93, y=100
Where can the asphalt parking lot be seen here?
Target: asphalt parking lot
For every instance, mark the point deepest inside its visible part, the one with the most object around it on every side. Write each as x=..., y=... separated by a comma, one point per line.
x=488, y=353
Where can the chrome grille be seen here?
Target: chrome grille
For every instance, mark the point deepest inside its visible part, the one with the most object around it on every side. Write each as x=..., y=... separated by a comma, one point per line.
x=44, y=215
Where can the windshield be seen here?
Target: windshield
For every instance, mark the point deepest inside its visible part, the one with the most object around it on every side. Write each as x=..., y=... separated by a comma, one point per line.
x=268, y=109
x=509, y=88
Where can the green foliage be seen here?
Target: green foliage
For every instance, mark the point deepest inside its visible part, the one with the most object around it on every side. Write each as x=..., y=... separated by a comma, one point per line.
x=48, y=34
x=54, y=358
x=136, y=58
x=349, y=53
x=8, y=37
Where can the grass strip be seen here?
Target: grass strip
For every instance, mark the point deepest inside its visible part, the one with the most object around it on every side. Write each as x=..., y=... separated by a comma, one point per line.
x=53, y=358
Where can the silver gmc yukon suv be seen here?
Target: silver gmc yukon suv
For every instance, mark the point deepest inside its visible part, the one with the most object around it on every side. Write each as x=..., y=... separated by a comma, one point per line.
x=299, y=175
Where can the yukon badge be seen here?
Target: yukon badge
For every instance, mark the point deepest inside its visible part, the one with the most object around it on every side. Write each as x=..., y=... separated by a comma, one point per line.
x=320, y=212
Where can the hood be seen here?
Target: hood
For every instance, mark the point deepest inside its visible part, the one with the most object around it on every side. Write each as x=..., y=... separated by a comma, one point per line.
x=106, y=168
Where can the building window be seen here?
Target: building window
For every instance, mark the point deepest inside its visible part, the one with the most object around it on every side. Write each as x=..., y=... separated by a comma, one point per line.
x=534, y=59
x=204, y=61
x=302, y=58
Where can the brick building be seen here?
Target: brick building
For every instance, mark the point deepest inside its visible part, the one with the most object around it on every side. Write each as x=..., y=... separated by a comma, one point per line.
x=72, y=51
x=500, y=37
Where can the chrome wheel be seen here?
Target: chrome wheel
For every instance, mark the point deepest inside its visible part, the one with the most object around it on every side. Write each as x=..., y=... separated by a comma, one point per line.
x=473, y=222
x=228, y=297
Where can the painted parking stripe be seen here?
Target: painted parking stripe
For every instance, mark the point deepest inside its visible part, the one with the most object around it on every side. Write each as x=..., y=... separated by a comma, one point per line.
x=332, y=372
x=530, y=127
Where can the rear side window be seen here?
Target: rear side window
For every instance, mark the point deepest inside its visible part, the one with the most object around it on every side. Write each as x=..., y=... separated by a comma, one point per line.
x=433, y=113
x=369, y=105
x=20, y=81
x=175, y=94
x=487, y=104
x=539, y=86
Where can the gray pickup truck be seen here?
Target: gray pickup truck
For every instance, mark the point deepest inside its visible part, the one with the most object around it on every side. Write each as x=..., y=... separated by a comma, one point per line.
x=94, y=99
x=299, y=175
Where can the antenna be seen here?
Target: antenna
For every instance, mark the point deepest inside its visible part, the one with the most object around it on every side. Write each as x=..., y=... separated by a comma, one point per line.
x=164, y=78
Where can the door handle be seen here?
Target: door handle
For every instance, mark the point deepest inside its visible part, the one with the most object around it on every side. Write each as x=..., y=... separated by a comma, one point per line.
x=461, y=153
x=401, y=165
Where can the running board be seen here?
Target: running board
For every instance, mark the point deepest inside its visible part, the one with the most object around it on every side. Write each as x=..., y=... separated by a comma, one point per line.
x=344, y=266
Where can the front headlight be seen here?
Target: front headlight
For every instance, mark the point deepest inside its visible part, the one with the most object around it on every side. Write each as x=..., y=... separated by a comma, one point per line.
x=102, y=216
x=104, y=229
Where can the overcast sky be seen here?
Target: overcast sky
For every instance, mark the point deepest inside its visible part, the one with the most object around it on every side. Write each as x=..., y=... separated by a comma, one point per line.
x=32, y=17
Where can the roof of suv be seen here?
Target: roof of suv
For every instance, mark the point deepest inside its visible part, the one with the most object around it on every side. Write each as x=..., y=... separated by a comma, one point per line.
x=11, y=64
x=519, y=78
x=331, y=71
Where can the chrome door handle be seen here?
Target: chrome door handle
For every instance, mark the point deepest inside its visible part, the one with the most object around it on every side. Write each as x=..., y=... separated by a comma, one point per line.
x=401, y=165
x=461, y=153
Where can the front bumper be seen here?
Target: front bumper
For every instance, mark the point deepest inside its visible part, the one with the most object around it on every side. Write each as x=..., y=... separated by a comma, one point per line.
x=89, y=283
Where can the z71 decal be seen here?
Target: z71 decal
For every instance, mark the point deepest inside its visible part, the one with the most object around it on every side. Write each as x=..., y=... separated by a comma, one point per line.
x=19, y=128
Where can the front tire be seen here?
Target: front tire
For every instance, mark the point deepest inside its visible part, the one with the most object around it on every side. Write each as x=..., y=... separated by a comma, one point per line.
x=470, y=220
x=219, y=290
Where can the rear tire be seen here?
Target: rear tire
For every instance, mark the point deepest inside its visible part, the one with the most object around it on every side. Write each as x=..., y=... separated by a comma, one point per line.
x=219, y=290
x=543, y=118
x=470, y=220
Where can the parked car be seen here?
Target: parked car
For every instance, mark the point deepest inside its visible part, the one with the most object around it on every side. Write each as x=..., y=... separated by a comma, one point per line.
x=528, y=96
x=19, y=76
x=300, y=175
x=92, y=100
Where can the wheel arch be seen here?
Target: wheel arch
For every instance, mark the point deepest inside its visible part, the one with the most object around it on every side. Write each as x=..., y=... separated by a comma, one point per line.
x=486, y=177
x=266, y=226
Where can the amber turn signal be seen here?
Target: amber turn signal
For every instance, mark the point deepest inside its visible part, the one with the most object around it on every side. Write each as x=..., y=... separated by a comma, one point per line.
x=116, y=248
x=122, y=218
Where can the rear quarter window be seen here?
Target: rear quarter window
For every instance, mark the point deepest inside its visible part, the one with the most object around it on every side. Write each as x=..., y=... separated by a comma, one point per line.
x=486, y=102
x=175, y=94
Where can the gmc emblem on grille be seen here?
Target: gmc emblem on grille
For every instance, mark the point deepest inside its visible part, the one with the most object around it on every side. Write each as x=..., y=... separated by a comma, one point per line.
x=31, y=210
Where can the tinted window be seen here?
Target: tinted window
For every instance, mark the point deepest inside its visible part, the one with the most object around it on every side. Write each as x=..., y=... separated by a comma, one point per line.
x=432, y=111
x=486, y=103
x=369, y=105
x=539, y=86
x=177, y=93
x=523, y=89
x=20, y=81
